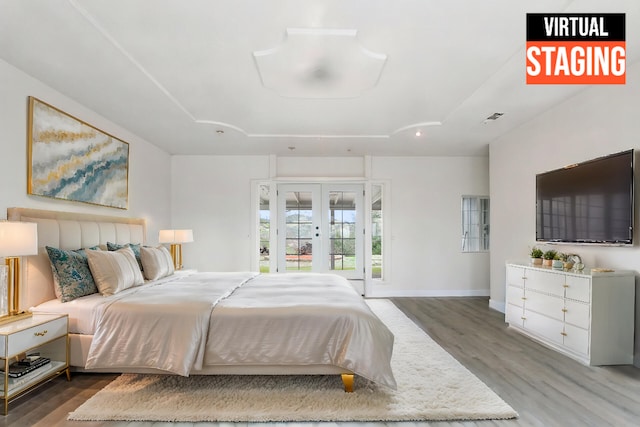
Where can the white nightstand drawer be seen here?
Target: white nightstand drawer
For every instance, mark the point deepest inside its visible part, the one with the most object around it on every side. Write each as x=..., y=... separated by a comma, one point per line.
x=34, y=336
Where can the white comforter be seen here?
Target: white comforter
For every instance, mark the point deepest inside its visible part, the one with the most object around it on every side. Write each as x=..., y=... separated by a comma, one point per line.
x=242, y=319
x=162, y=326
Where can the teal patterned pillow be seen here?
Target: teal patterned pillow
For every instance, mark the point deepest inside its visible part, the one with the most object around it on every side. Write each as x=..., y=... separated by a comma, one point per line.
x=71, y=273
x=134, y=247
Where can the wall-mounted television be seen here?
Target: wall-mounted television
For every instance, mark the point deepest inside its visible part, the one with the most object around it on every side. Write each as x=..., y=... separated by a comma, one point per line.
x=588, y=202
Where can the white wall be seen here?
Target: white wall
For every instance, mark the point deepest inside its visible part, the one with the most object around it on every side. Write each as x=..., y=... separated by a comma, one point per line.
x=149, y=167
x=211, y=195
x=426, y=226
x=600, y=120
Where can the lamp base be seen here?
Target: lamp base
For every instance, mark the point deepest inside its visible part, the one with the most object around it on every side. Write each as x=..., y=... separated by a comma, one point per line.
x=176, y=255
x=14, y=317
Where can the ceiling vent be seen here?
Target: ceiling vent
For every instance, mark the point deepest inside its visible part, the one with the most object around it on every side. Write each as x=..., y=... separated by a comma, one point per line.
x=493, y=117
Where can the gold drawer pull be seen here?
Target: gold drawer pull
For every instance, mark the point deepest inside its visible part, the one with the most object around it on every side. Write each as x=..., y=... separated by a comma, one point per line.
x=40, y=334
x=523, y=318
x=565, y=286
x=564, y=310
x=564, y=334
x=523, y=298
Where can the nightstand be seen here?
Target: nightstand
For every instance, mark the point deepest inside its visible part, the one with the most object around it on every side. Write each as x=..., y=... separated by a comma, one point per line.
x=46, y=335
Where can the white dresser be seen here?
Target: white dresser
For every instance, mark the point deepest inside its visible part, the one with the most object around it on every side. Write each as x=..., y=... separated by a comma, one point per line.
x=587, y=316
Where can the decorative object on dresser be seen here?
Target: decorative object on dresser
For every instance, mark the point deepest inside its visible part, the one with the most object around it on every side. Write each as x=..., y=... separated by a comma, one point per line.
x=589, y=317
x=32, y=350
x=548, y=256
x=72, y=160
x=176, y=238
x=16, y=239
x=558, y=261
x=536, y=256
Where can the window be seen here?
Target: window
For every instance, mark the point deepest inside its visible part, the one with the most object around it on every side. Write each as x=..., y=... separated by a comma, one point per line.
x=264, y=229
x=475, y=224
x=376, y=231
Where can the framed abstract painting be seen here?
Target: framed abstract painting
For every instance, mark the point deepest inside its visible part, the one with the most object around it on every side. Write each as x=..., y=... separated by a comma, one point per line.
x=72, y=160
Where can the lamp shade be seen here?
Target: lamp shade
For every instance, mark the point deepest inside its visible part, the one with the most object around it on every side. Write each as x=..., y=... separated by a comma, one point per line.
x=175, y=236
x=18, y=238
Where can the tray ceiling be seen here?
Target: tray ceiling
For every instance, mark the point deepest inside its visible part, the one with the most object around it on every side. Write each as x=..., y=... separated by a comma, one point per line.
x=329, y=78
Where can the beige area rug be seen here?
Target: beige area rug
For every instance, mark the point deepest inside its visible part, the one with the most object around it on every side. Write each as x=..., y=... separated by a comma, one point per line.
x=432, y=385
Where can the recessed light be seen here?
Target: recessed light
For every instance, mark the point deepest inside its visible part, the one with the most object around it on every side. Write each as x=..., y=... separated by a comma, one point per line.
x=219, y=131
x=291, y=147
x=418, y=133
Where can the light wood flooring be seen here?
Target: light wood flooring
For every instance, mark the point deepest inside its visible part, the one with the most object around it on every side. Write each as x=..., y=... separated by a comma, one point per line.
x=546, y=388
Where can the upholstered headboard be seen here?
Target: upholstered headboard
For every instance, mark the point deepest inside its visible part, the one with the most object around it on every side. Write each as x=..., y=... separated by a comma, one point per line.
x=67, y=230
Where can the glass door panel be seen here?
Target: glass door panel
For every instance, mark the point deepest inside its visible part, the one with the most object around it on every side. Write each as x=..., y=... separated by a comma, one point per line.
x=299, y=231
x=264, y=229
x=299, y=225
x=320, y=229
x=342, y=223
x=343, y=216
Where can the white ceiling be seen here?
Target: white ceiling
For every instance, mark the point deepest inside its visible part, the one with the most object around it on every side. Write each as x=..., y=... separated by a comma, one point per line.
x=338, y=77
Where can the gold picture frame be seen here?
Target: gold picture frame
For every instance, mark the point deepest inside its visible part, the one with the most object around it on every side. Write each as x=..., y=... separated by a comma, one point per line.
x=70, y=159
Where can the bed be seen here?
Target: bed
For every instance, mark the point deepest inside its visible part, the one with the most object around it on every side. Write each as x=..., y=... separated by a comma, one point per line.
x=286, y=324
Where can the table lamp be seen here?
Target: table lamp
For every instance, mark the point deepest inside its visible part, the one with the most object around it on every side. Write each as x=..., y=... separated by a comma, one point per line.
x=16, y=239
x=176, y=238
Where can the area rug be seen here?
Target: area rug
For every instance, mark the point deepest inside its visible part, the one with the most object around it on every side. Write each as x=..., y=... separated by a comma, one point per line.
x=432, y=385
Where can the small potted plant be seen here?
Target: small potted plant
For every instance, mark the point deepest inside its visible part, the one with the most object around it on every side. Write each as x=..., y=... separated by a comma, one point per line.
x=558, y=261
x=548, y=256
x=536, y=256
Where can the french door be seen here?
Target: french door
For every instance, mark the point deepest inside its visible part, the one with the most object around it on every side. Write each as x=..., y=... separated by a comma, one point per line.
x=320, y=229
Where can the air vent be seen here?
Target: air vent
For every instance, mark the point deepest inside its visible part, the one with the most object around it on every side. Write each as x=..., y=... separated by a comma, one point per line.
x=493, y=117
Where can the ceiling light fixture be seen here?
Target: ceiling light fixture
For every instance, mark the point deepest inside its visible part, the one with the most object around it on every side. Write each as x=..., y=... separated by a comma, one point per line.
x=418, y=133
x=219, y=131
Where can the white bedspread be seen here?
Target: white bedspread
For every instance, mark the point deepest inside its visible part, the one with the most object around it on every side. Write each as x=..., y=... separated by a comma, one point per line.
x=162, y=326
x=300, y=319
x=213, y=319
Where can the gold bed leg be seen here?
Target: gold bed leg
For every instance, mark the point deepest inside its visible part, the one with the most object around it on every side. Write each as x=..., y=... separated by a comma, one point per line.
x=347, y=380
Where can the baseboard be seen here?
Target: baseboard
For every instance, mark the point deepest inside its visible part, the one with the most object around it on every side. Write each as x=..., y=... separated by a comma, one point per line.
x=497, y=305
x=399, y=293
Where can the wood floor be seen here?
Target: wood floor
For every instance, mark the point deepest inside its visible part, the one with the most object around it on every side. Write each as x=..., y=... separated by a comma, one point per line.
x=546, y=388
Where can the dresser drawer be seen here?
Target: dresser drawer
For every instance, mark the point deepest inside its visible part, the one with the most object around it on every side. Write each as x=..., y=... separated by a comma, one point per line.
x=515, y=276
x=578, y=288
x=577, y=314
x=576, y=339
x=514, y=315
x=35, y=336
x=546, y=281
x=549, y=305
x=515, y=295
x=545, y=327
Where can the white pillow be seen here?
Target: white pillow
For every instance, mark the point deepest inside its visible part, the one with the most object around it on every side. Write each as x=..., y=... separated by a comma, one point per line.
x=114, y=271
x=156, y=262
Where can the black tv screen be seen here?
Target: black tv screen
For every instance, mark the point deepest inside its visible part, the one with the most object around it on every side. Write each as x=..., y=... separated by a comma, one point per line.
x=589, y=202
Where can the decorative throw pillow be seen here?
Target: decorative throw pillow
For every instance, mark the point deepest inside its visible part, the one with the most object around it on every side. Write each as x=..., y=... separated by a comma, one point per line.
x=135, y=247
x=114, y=271
x=157, y=262
x=71, y=274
